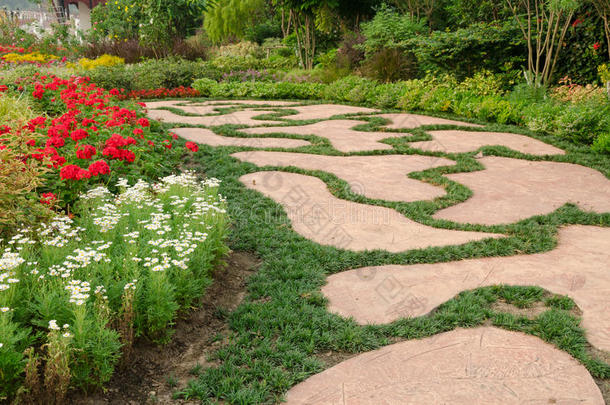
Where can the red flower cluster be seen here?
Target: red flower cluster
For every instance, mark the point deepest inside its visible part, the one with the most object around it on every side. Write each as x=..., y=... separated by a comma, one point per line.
x=179, y=92
x=48, y=198
x=193, y=147
x=92, y=125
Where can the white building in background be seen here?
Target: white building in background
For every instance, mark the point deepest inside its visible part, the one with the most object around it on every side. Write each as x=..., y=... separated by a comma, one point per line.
x=84, y=8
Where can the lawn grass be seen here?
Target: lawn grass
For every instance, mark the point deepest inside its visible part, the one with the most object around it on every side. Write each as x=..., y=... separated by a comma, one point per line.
x=282, y=325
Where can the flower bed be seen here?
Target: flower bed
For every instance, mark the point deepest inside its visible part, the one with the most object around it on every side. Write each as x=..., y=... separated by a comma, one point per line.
x=79, y=290
x=179, y=92
x=93, y=137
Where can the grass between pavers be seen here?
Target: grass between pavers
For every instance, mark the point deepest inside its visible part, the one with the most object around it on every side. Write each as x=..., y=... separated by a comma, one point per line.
x=283, y=323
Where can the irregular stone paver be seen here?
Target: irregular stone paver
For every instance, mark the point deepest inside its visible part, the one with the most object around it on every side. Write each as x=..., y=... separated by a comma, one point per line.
x=318, y=215
x=325, y=111
x=463, y=367
x=338, y=132
x=410, y=121
x=151, y=105
x=578, y=267
x=509, y=190
x=207, y=137
x=236, y=118
x=455, y=141
x=376, y=177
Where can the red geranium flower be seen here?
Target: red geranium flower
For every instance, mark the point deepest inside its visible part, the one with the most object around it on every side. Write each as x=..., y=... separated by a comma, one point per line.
x=143, y=122
x=86, y=152
x=192, y=146
x=99, y=167
x=78, y=134
x=48, y=198
x=596, y=46
x=73, y=172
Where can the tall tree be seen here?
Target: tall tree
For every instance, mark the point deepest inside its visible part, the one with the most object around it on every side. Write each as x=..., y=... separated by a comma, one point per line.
x=544, y=24
x=231, y=18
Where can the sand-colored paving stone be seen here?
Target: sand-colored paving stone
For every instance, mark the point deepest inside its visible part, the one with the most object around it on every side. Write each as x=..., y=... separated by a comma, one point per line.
x=376, y=177
x=410, y=121
x=339, y=133
x=509, y=190
x=578, y=268
x=456, y=141
x=207, y=137
x=325, y=111
x=462, y=367
x=319, y=216
x=244, y=117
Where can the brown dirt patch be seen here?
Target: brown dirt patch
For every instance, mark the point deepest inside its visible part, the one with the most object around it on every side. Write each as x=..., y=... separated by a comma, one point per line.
x=146, y=378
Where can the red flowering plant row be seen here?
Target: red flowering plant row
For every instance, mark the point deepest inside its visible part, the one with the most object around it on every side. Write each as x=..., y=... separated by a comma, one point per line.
x=178, y=92
x=91, y=137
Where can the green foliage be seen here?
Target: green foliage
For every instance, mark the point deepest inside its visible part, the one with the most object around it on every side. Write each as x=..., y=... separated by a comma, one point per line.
x=152, y=74
x=231, y=19
x=154, y=22
x=388, y=29
x=494, y=47
x=390, y=65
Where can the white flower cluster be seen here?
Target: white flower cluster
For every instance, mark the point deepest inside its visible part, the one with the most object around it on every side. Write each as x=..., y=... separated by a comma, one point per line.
x=78, y=291
x=109, y=218
x=59, y=232
x=131, y=286
x=98, y=192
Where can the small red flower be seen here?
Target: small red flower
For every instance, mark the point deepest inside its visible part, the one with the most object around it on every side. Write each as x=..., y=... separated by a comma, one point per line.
x=72, y=172
x=174, y=136
x=193, y=147
x=31, y=142
x=98, y=168
x=167, y=144
x=596, y=46
x=78, y=134
x=143, y=122
x=86, y=152
x=48, y=198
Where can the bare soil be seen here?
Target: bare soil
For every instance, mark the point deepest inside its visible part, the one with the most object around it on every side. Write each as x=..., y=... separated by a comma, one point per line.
x=154, y=372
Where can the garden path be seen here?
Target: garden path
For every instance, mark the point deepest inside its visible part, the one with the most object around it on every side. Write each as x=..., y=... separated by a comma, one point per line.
x=462, y=366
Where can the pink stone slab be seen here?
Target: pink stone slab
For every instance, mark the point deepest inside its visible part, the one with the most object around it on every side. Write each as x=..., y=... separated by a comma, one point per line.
x=318, y=215
x=377, y=177
x=237, y=118
x=462, y=367
x=325, y=111
x=578, y=268
x=509, y=190
x=410, y=121
x=456, y=141
x=151, y=105
x=207, y=137
x=339, y=133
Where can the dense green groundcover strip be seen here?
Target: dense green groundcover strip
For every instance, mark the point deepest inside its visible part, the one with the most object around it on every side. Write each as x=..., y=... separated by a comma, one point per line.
x=283, y=324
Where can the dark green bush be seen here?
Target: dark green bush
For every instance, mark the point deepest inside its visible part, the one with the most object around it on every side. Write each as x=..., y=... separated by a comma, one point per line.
x=481, y=46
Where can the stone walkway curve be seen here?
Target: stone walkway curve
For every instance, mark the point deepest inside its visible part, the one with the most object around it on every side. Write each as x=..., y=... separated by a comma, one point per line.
x=483, y=365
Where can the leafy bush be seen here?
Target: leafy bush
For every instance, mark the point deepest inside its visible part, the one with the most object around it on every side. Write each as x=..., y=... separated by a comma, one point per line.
x=465, y=51
x=241, y=49
x=389, y=29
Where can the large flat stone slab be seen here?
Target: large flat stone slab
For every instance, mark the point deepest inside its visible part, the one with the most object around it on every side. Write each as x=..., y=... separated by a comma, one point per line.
x=326, y=111
x=509, y=190
x=339, y=133
x=457, y=141
x=244, y=117
x=318, y=215
x=410, y=121
x=578, y=268
x=207, y=137
x=463, y=367
x=377, y=177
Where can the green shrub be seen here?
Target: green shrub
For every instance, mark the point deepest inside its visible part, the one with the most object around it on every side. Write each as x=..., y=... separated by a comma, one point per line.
x=389, y=29
x=602, y=143
x=463, y=52
x=582, y=123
